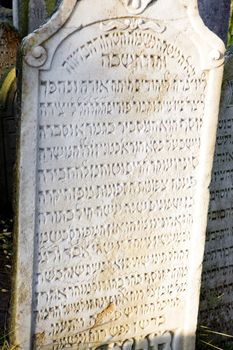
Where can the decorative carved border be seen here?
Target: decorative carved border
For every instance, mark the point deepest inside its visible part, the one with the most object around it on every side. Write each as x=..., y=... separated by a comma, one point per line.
x=132, y=24
x=136, y=7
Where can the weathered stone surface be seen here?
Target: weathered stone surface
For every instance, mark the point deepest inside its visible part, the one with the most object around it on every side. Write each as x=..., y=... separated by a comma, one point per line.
x=39, y=11
x=31, y=14
x=216, y=306
x=5, y=14
x=37, y=14
x=9, y=42
x=119, y=114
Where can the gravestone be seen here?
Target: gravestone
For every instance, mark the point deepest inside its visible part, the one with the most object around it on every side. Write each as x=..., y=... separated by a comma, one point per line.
x=9, y=42
x=37, y=14
x=215, y=15
x=216, y=306
x=5, y=14
x=119, y=111
x=31, y=14
x=39, y=11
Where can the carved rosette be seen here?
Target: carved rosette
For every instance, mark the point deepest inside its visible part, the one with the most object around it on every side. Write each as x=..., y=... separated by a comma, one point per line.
x=36, y=56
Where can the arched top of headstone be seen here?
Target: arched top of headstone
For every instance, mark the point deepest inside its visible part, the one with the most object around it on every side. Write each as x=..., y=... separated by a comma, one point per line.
x=70, y=16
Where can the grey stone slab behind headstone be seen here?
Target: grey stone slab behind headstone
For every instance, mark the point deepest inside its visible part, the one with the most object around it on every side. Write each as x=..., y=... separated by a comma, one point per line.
x=6, y=14
x=37, y=14
x=216, y=304
x=215, y=15
x=119, y=111
x=29, y=15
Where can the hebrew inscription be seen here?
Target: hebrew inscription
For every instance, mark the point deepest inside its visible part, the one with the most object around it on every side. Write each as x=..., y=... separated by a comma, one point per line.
x=117, y=111
x=119, y=140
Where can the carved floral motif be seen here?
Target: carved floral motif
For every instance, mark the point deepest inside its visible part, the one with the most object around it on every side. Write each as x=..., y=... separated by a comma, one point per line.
x=132, y=24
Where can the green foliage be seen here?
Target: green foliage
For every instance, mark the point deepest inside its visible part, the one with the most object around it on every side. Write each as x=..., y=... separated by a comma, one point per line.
x=50, y=6
x=230, y=31
x=23, y=17
x=6, y=346
x=208, y=338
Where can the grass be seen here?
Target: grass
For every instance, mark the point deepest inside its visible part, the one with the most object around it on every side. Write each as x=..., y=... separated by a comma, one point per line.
x=6, y=248
x=207, y=339
x=6, y=346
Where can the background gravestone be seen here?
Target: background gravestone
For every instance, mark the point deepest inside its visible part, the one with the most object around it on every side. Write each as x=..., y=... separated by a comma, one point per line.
x=30, y=14
x=9, y=42
x=216, y=306
x=37, y=14
x=5, y=14
x=119, y=113
x=215, y=15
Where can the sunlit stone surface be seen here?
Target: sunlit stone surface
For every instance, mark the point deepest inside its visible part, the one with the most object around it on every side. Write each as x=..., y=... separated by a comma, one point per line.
x=119, y=115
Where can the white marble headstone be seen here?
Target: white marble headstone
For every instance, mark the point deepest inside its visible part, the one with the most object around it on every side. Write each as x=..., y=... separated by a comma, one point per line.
x=119, y=113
